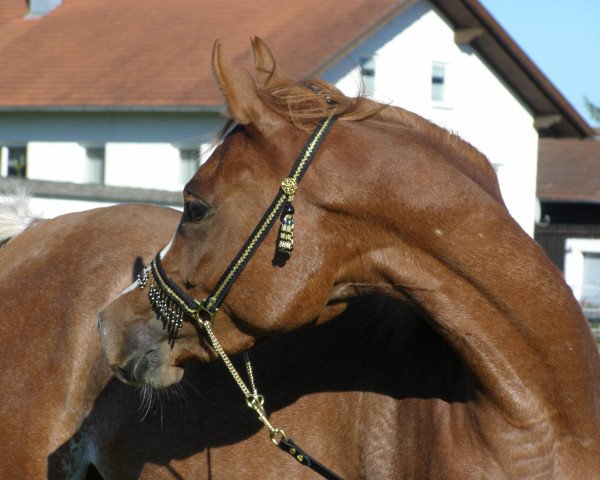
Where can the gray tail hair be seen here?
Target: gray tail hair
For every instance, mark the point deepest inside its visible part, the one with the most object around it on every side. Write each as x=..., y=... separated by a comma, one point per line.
x=15, y=215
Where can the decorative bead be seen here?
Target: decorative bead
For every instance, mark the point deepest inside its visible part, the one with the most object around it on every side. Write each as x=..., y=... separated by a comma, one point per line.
x=143, y=278
x=288, y=209
x=285, y=242
x=289, y=187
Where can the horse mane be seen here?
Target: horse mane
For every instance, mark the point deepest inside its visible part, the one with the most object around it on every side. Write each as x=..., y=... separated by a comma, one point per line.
x=305, y=102
x=15, y=215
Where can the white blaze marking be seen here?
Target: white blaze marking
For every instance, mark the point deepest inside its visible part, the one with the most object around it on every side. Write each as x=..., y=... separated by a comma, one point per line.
x=136, y=284
x=131, y=287
x=166, y=249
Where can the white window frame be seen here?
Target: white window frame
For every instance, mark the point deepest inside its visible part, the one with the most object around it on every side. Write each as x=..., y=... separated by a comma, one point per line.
x=95, y=168
x=5, y=163
x=189, y=162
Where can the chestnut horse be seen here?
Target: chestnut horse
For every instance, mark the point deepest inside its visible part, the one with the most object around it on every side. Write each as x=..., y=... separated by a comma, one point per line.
x=506, y=387
x=55, y=275
x=60, y=410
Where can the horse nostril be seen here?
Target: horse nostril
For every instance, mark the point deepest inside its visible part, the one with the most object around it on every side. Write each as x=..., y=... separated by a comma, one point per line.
x=138, y=368
x=133, y=371
x=151, y=358
x=124, y=374
x=130, y=372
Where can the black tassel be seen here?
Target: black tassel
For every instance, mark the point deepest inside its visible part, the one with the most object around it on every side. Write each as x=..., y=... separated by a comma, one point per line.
x=285, y=243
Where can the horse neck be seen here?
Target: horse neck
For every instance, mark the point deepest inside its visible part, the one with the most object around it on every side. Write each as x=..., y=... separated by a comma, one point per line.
x=452, y=249
x=520, y=332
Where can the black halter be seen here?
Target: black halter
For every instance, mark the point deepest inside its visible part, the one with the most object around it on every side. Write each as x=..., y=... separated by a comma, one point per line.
x=172, y=304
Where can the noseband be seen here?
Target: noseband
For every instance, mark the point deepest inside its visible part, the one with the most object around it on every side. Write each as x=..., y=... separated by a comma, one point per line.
x=172, y=304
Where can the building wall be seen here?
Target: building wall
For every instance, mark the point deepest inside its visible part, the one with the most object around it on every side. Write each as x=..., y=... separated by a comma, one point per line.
x=477, y=104
x=143, y=149
x=148, y=150
x=571, y=238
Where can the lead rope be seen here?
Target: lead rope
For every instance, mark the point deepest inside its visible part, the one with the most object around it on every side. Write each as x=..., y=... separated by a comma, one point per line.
x=256, y=401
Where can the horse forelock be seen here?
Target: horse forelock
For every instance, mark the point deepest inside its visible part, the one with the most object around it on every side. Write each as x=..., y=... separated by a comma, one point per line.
x=305, y=102
x=15, y=214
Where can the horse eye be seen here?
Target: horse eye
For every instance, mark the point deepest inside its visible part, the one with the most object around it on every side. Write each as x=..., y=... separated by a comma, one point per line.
x=196, y=210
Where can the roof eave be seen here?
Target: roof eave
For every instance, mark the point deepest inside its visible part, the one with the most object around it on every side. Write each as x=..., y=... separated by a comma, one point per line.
x=112, y=108
x=565, y=199
x=573, y=123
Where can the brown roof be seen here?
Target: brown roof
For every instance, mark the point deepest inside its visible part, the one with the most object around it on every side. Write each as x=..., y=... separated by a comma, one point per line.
x=569, y=170
x=155, y=53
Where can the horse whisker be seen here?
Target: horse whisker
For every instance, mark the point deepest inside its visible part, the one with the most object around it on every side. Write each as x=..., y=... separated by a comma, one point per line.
x=147, y=399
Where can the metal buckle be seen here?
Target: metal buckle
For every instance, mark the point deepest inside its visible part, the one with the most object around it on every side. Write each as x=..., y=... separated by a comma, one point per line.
x=203, y=310
x=275, y=433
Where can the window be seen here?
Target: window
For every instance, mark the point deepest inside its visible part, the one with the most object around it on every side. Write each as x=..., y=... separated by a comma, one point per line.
x=94, y=167
x=14, y=161
x=367, y=74
x=438, y=82
x=590, y=285
x=582, y=273
x=190, y=161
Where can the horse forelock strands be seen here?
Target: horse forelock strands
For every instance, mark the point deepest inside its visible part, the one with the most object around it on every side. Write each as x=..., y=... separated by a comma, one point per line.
x=305, y=102
x=15, y=215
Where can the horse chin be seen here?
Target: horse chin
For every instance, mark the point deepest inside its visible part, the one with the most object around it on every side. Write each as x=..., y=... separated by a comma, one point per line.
x=163, y=377
x=155, y=378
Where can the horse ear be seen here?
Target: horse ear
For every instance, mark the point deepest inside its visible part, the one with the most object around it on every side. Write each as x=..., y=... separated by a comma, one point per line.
x=267, y=69
x=238, y=88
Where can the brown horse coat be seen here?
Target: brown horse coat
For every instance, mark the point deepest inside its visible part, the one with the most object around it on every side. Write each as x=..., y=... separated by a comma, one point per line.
x=60, y=411
x=54, y=278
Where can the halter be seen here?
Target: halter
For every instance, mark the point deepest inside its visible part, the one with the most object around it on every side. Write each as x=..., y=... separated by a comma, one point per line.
x=172, y=304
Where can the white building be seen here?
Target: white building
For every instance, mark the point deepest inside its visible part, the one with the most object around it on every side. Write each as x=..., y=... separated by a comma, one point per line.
x=120, y=95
